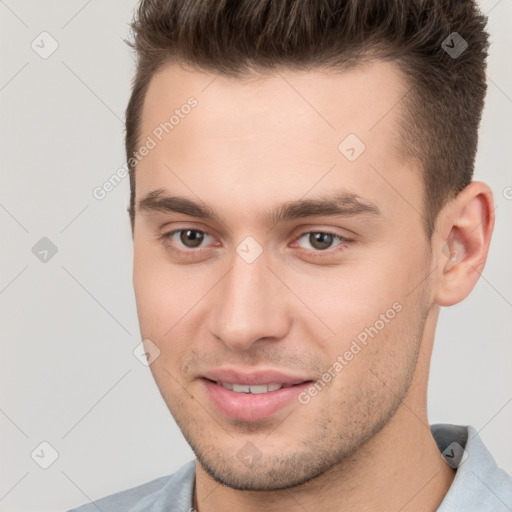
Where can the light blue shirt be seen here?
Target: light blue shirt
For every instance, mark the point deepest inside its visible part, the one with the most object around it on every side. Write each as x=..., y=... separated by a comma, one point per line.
x=479, y=484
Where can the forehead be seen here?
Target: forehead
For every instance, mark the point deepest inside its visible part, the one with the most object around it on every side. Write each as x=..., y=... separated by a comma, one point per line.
x=284, y=129
x=327, y=101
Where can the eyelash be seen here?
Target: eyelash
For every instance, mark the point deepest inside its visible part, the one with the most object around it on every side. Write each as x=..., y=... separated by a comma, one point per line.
x=342, y=245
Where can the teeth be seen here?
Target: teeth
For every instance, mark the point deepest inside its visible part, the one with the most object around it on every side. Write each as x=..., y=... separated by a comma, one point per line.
x=241, y=388
x=257, y=389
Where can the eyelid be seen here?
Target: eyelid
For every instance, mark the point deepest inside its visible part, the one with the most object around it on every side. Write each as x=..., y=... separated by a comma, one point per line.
x=341, y=238
x=344, y=232
x=166, y=239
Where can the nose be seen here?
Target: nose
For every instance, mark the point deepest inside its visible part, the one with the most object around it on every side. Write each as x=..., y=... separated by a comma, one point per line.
x=250, y=305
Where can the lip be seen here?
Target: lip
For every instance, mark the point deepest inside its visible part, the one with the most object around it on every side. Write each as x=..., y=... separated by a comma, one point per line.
x=249, y=406
x=254, y=378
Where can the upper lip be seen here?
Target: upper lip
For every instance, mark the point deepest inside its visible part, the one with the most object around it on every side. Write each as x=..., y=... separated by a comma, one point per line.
x=254, y=377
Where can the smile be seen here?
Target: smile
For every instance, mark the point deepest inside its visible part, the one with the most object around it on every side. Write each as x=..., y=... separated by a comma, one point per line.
x=251, y=402
x=256, y=389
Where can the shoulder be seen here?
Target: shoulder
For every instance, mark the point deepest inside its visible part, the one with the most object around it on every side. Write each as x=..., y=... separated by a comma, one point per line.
x=479, y=484
x=167, y=493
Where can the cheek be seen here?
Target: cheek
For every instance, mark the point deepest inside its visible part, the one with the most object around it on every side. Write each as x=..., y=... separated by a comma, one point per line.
x=167, y=295
x=368, y=306
x=155, y=296
x=349, y=299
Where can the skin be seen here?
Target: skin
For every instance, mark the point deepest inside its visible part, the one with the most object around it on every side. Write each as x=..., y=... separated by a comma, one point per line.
x=363, y=442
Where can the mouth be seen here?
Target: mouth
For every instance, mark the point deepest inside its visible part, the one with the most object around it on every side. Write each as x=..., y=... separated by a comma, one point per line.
x=252, y=402
x=256, y=389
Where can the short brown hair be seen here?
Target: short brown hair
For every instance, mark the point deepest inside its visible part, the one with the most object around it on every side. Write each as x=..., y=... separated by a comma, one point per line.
x=441, y=112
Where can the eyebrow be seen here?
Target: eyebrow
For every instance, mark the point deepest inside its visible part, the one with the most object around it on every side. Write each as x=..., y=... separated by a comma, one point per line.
x=340, y=204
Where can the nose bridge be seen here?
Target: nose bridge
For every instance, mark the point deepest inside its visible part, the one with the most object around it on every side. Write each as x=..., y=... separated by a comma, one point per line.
x=247, y=305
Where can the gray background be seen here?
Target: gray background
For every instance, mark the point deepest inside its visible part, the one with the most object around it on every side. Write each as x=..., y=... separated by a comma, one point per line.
x=69, y=326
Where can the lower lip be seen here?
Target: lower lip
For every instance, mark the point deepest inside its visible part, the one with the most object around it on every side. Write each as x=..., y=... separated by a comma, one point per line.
x=249, y=406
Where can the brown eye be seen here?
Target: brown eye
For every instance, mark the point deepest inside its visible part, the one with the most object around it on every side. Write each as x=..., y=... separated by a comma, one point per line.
x=187, y=242
x=191, y=238
x=320, y=241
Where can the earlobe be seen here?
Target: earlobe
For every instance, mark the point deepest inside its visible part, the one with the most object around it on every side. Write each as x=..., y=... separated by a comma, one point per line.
x=466, y=226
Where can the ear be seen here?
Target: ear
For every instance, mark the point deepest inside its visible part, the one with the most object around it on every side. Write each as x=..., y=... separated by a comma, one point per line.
x=461, y=242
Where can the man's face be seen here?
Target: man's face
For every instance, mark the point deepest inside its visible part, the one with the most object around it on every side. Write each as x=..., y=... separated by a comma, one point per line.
x=266, y=293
